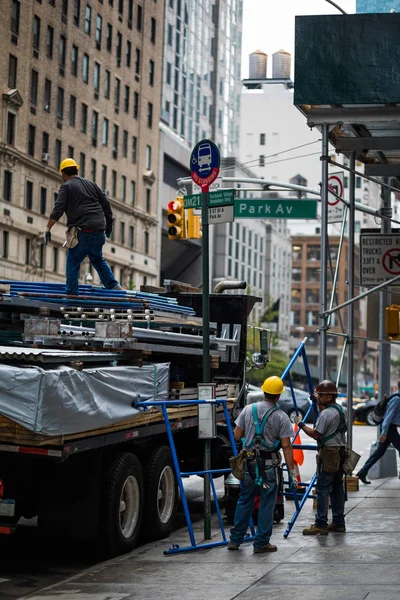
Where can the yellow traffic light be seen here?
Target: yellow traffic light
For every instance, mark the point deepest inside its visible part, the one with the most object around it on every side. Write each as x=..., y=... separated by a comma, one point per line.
x=194, y=225
x=176, y=219
x=392, y=322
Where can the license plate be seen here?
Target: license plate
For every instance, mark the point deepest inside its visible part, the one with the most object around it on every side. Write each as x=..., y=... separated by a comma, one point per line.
x=7, y=507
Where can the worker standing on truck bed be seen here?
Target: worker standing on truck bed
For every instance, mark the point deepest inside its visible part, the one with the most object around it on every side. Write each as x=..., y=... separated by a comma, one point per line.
x=266, y=429
x=89, y=221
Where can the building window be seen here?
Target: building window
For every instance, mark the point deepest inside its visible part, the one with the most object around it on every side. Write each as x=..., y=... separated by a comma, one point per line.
x=153, y=30
x=45, y=142
x=122, y=233
x=169, y=73
x=29, y=195
x=93, y=169
x=84, y=117
x=7, y=187
x=128, y=55
x=55, y=259
x=148, y=200
x=127, y=98
x=146, y=242
x=58, y=153
x=131, y=236
x=261, y=160
x=12, y=71
x=49, y=42
x=123, y=189
x=64, y=10
x=85, y=68
x=117, y=93
x=95, y=124
x=136, y=105
x=72, y=111
x=71, y=151
x=134, y=149
x=130, y=13
x=119, y=48
x=34, y=87
x=137, y=61
x=77, y=12
x=15, y=13
x=62, y=54
x=99, y=25
x=170, y=34
x=82, y=164
x=88, y=19
x=27, y=251
x=148, y=157
x=139, y=18
x=114, y=183
x=149, y=114
x=151, y=72
x=358, y=182
x=96, y=79
x=4, y=252
x=104, y=140
x=262, y=139
x=107, y=85
x=60, y=103
x=104, y=178
x=125, y=144
x=36, y=33
x=109, y=37
x=74, y=61
x=115, y=141
x=31, y=140
x=120, y=7
x=133, y=193
x=11, y=128
x=47, y=95
x=43, y=201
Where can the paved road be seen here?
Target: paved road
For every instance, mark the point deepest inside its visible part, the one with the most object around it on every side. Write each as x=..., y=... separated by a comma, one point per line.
x=26, y=566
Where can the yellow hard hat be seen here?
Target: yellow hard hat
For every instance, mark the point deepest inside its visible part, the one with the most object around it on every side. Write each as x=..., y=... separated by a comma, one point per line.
x=273, y=385
x=68, y=162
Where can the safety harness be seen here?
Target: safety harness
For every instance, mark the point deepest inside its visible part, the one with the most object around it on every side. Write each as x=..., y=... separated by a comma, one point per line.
x=341, y=428
x=258, y=442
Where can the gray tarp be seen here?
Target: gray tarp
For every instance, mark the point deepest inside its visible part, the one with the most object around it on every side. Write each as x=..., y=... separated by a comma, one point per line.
x=62, y=401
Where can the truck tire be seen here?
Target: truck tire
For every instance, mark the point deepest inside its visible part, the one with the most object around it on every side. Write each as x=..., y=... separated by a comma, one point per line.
x=123, y=504
x=161, y=494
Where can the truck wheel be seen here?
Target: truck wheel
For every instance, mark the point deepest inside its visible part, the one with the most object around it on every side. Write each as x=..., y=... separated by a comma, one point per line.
x=279, y=513
x=124, y=500
x=161, y=493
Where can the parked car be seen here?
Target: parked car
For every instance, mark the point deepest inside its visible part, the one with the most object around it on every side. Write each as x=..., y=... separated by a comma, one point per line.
x=285, y=402
x=363, y=411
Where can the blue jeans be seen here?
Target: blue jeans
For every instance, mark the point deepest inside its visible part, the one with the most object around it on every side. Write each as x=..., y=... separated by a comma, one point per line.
x=91, y=245
x=245, y=505
x=329, y=485
x=393, y=437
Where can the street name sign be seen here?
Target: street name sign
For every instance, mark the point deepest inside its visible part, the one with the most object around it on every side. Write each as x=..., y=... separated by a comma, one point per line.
x=220, y=214
x=335, y=206
x=282, y=208
x=379, y=257
x=217, y=198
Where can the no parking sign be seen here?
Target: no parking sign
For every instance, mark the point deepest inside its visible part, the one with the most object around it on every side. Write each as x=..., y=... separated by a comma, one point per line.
x=335, y=206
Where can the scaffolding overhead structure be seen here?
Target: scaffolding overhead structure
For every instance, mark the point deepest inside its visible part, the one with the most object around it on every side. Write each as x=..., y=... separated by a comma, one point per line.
x=348, y=87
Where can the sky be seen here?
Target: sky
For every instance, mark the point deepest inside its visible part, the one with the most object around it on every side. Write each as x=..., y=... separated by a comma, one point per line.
x=268, y=25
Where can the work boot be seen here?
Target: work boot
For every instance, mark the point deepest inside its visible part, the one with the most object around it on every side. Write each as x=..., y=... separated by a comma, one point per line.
x=117, y=287
x=232, y=546
x=337, y=528
x=267, y=548
x=363, y=478
x=314, y=530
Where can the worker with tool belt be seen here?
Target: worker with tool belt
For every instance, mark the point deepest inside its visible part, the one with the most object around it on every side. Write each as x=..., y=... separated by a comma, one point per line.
x=330, y=434
x=266, y=429
x=89, y=221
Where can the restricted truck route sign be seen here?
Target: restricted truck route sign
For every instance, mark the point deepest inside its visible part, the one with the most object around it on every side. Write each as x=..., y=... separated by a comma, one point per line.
x=379, y=258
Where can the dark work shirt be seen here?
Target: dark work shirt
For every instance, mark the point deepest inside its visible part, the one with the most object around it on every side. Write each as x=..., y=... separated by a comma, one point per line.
x=85, y=205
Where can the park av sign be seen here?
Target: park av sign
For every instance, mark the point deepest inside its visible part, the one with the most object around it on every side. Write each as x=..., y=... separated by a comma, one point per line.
x=277, y=208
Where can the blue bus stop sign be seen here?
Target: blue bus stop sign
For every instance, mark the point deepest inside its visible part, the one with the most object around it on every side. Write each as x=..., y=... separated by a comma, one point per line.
x=204, y=163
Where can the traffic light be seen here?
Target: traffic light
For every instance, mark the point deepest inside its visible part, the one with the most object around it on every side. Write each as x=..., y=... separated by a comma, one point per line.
x=392, y=322
x=194, y=225
x=176, y=219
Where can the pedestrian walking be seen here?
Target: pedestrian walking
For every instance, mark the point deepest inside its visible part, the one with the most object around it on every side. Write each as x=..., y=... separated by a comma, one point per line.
x=330, y=433
x=265, y=429
x=89, y=222
x=389, y=434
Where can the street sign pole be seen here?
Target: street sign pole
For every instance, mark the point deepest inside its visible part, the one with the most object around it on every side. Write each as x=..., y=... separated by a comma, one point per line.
x=206, y=350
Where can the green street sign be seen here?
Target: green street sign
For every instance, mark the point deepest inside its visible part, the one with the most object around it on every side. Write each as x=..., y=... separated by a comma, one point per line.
x=282, y=208
x=217, y=198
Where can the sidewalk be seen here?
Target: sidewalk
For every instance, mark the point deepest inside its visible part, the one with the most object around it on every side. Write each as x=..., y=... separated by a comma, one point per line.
x=362, y=564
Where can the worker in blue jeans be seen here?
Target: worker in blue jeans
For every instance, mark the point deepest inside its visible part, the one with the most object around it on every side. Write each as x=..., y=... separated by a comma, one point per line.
x=89, y=221
x=274, y=430
x=389, y=435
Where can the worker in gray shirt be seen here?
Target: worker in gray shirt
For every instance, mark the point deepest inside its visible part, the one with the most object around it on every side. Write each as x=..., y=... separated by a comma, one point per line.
x=266, y=429
x=330, y=433
x=89, y=221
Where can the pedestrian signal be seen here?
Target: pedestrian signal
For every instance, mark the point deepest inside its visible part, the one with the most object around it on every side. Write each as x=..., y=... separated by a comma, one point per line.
x=194, y=225
x=176, y=220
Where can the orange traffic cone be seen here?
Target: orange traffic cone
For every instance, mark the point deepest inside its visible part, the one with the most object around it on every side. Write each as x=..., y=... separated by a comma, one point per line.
x=298, y=454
